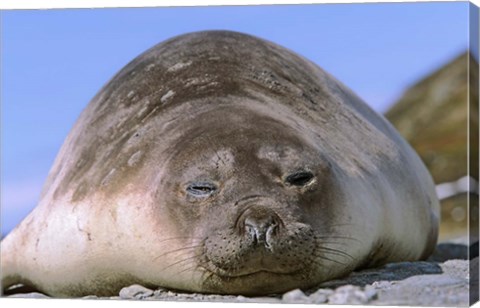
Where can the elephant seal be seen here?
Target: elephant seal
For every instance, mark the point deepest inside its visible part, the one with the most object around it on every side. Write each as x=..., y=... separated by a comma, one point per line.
x=218, y=162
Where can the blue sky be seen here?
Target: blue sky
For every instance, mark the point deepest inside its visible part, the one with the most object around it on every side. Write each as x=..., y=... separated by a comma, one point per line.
x=54, y=61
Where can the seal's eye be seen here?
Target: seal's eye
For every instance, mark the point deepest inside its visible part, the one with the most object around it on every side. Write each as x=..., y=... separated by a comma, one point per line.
x=299, y=178
x=201, y=189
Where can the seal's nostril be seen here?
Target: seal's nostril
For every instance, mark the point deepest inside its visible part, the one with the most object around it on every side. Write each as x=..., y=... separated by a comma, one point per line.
x=261, y=226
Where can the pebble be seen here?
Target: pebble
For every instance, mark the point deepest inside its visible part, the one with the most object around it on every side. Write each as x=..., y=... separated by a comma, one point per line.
x=90, y=297
x=382, y=284
x=160, y=292
x=352, y=295
x=371, y=293
x=29, y=295
x=295, y=296
x=320, y=296
x=135, y=292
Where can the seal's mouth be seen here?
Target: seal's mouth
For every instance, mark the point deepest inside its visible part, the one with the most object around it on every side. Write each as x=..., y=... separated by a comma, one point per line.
x=263, y=271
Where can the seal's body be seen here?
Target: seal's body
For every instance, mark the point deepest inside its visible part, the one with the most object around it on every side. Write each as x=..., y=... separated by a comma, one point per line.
x=219, y=162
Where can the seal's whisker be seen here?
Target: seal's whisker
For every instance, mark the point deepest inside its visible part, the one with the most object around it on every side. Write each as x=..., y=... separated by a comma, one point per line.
x=176, y=250
x=335, y=252
x=344, y=224
x=188, y=268
x=328, y=259
x=184, y=252
x=334, y=243
x=178, y=237
x=180, y=261
x=338, y=237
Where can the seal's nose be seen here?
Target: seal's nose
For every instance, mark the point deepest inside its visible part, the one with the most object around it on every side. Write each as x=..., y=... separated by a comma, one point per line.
x=261, y=225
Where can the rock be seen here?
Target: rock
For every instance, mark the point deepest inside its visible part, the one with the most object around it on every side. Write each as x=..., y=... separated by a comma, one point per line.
x=441, y=96
x=379, y=285
x=295, y=296
x=241, y=299
x=90, y=297
x=159, y=292
x=351, y=295
x=29, y=295
x=449, y=251
x=431, y=290
x=320, y=296
x=411, y=268
x=135, y=292
x=390, y=272
x=370, y=292
x=456, y=268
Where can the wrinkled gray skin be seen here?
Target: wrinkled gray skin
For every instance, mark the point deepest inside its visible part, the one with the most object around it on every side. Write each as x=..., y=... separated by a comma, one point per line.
x=220, y=162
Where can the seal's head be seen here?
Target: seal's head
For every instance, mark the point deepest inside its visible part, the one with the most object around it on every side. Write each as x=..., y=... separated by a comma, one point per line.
x=255, y=203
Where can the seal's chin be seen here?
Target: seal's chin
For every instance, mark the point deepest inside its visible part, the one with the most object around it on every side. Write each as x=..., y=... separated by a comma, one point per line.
x=255, y=283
